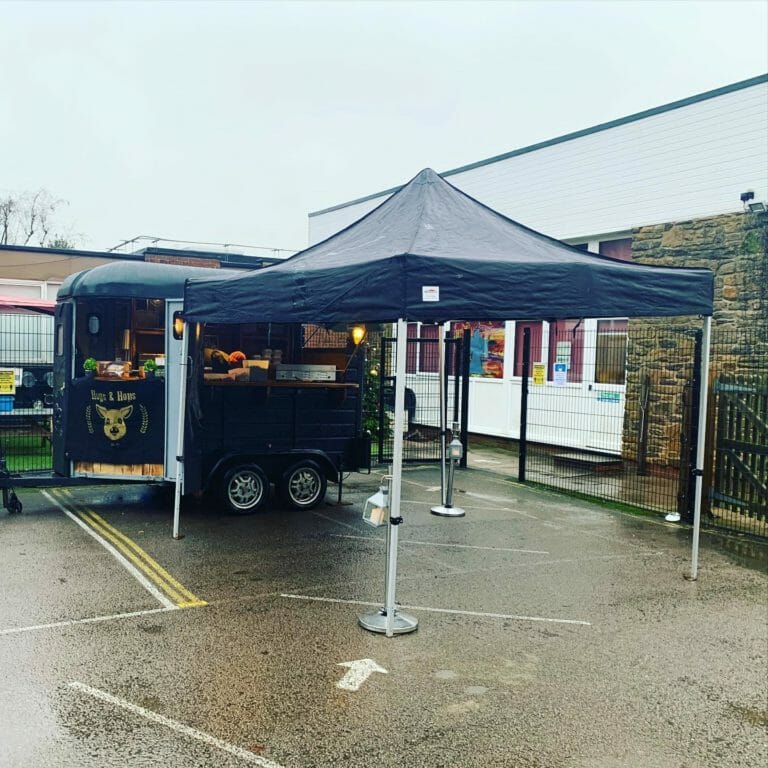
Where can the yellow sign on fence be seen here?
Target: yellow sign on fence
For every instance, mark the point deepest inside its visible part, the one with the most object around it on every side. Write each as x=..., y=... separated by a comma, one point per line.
x=7, y=381
x=539, y=373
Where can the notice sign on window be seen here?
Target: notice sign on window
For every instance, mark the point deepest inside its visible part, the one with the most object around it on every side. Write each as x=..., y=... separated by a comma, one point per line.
x=560, y=374
x=7, y=381
x=563, y=353
x=430, y=293
x=539, y=373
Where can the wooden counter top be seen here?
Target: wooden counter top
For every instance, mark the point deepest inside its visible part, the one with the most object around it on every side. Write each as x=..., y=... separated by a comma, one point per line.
x=287, y=384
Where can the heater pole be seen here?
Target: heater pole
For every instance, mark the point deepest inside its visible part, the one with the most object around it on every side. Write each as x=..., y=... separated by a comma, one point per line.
x=441, y=374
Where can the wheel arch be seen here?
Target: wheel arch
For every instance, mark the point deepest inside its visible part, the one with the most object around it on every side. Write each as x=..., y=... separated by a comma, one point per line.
x=273, y=464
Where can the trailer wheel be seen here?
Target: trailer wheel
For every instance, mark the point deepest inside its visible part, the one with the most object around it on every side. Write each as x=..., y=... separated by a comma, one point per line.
x=245, y=489
x=303, y=485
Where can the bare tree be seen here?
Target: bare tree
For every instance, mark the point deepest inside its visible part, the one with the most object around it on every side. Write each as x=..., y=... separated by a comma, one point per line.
x=8, y=207
x=28, y=217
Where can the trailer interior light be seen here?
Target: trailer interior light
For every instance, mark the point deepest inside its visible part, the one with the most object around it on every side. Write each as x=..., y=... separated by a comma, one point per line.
x=178, y=326
x=358, y=334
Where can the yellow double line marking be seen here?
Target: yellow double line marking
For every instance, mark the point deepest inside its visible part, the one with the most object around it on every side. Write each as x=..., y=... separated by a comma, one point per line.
x=149, y=567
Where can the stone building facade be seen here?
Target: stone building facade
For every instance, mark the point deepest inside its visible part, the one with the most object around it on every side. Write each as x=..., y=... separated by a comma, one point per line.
x=660, y=356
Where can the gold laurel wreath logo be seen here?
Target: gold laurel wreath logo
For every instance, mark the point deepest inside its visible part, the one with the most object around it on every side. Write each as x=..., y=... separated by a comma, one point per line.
x=144, y=420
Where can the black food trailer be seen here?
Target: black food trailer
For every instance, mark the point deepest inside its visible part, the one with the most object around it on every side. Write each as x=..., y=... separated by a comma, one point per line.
x=266, y=404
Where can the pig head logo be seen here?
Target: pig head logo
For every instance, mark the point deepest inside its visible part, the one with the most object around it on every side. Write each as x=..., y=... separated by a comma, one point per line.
x=114, y=420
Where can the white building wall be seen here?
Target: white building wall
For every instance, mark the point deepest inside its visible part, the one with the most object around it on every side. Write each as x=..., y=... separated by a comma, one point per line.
x=689, y=162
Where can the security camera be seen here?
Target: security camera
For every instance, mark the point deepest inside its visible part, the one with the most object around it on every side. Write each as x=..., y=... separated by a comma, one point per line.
x=748, y=195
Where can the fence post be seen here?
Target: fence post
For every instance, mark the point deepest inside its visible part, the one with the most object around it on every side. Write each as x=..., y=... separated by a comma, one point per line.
x=709, y=451
x=523, y=454
x=382, y=369
x=694, y=432
x=464, y=396
x=456, y=352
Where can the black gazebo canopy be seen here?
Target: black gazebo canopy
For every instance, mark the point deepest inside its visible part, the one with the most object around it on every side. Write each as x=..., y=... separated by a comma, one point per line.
x=432, y=253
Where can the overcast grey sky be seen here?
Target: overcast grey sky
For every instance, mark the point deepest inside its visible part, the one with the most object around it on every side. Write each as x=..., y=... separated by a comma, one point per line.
x=229, y=122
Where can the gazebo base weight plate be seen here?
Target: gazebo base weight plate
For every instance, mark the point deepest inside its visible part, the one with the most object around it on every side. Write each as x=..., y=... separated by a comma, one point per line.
x=377, y=622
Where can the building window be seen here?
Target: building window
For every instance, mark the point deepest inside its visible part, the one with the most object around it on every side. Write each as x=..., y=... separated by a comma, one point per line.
x=535, y=329
x=27, y=290
x=611, y=352
x=566, y=345
x=429, y=354
x=422, y=355
x=617, y=249
x=412, y=348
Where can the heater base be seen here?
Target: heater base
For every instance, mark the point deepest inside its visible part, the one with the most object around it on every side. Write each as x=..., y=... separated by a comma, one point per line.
x=444, y=511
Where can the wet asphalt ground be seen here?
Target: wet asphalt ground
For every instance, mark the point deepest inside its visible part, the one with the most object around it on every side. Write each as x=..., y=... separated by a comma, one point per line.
x=552, y=633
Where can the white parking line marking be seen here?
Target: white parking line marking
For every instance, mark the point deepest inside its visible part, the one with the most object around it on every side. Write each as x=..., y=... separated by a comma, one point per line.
x=443, y=610
x=501, y=500
x=90, y=620
x=174, y=725
x=333, y=520
x=479, y=507
x=143, y=580
x=442, y=544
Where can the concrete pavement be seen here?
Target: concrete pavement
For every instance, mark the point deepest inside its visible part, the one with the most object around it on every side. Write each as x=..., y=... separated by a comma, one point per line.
x=553, y=633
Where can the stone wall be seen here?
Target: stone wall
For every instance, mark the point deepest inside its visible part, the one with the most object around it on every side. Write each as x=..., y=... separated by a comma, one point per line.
x=660, y=352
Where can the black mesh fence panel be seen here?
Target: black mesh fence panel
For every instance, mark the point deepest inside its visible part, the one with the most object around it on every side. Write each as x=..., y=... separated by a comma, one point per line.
x=26, y=379
x=610, y=418
x=422, y=441
x=617, y=420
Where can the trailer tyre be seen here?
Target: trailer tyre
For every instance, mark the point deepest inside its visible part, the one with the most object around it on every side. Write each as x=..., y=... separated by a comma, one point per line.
x=245, y=489
x=303, y=486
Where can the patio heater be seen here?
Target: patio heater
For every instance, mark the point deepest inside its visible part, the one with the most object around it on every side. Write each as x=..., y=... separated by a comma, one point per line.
x=452, y=452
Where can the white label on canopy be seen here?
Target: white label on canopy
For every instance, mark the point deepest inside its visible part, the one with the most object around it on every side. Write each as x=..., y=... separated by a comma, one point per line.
x=430, y=293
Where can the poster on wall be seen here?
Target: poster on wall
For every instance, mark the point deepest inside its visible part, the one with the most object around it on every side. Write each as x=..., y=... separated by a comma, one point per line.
x=486, y=348
x=7, y=381
x=563, y=353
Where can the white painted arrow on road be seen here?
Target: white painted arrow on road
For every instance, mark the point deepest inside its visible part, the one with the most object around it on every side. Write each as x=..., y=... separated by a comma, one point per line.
x=359, y=672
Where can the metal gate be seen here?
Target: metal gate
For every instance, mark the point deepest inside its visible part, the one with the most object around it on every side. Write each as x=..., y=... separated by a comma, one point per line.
x=740, y=482
x=422, y=394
